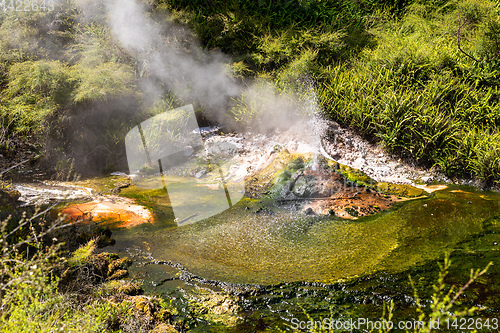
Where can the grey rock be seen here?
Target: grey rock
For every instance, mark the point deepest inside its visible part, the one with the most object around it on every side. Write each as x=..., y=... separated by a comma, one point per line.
x=200, y=174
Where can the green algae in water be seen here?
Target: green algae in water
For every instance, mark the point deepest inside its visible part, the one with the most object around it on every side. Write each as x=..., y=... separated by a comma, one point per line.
x=353, y=175
x=194, y=200
x=360, y=178
x=471, y=237
x=401, y=190
x=276, y=245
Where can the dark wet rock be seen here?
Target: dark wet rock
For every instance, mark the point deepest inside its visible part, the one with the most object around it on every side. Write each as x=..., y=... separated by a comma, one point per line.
x=119, y=186
x=286, y=191
x=103, y=241
x=306, y=187
x=264, y=210
x=309, y=211
x=105, y=231
x=103, y=237
x=9, y=198
x=101, y=234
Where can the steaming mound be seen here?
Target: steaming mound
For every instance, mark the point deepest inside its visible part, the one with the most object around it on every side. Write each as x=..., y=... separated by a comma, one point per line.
x=314, y=185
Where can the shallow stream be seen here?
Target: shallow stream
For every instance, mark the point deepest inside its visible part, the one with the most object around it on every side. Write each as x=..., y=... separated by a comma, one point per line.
x=280, y=261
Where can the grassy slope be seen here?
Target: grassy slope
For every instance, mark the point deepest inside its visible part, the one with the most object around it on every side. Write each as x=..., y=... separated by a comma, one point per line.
x=390, y=69
x=54, y=75
x=421, y=95
x=393, y=71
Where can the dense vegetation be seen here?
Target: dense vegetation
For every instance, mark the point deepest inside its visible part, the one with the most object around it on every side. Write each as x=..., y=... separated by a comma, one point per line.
x=419, y=76
x=429, y=89
x=85, y=292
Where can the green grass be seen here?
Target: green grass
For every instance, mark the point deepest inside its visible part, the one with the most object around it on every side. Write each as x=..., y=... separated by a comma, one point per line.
x=421, y=96
x=55, y=73
x=394, y=71
x=419, y=76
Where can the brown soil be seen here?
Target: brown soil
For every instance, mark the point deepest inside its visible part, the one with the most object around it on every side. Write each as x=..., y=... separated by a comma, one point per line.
x=351, y=204
x=345, y=201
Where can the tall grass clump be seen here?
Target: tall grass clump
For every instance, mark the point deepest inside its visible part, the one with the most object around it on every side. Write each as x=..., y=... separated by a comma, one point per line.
x=429, y=89
x=58, y=77
x=269, y=34
x=35, y=90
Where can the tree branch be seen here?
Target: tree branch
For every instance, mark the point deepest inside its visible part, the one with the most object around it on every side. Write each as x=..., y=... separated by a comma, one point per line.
x=458, y=38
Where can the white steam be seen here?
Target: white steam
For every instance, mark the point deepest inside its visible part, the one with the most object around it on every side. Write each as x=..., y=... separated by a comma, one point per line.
x=168, y=55
x=164, y=54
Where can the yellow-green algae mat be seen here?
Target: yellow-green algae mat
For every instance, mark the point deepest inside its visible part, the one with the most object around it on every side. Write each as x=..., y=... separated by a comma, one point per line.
x=248, y=244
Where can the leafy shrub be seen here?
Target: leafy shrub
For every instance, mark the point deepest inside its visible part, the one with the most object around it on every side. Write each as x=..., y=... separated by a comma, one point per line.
x=103, y=82
x=34, y=92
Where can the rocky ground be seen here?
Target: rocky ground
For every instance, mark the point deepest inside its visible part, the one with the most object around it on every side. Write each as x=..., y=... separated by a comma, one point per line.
x=346, y=147
x=342, y=145
x=256, y=159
